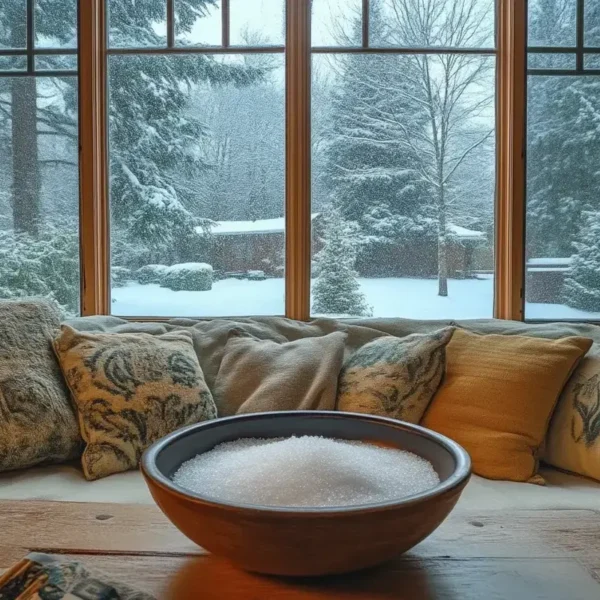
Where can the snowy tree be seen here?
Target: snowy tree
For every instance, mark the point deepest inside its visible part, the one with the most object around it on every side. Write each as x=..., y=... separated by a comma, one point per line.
x=26, y=113
x=371, y=175
x=336, y=290
x=453, y=91
x=156, y=143
x=563, y=139
x=582, y=283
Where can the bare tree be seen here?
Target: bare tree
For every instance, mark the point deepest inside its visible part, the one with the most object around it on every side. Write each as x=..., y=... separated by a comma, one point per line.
x=453, y=90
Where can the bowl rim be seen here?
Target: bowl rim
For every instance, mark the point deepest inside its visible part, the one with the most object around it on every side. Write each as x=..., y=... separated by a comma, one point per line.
x=457, y=479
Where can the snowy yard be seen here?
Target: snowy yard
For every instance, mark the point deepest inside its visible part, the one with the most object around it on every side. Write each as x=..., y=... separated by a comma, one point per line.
x=389, y=297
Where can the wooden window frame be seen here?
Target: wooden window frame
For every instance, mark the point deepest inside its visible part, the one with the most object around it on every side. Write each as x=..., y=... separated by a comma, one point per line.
x=510, y=143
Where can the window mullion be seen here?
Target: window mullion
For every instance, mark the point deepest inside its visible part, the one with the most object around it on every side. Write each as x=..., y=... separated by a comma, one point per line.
x=298, y=158
x=511, y=121
x=93, y=204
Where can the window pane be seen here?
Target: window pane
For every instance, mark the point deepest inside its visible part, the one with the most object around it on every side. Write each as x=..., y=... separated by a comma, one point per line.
x=443, y=23
x=551, y=61
x=404, y=211
x=39, y=199
x=592, y=23
x=137, y=24
x=563, y=259
x=198, y=26
x=13, y=24
x=256, y=22
x=552, y=22
x=55, y=23
x=336, y=23
x=13, y=63
x=67, y=62
x=197, y=178
x=591, y=61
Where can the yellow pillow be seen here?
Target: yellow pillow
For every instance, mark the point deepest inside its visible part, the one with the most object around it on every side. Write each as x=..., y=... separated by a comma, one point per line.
x=498, y=396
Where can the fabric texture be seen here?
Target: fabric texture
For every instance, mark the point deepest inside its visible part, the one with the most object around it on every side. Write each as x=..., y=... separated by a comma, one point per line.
x=130, y=390
x=498, y=396
x=37, y=422
x=262, y=375
x=394, y=377
x=573, y=441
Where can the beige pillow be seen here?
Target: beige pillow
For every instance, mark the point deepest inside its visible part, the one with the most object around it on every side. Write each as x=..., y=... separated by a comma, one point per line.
x=262, y=375
x=394, y=376
x=130, y=389
x=573, y=441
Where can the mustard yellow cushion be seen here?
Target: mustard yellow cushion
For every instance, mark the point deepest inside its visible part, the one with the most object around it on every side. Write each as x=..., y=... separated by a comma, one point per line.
x=498, y=396
x=130, y=389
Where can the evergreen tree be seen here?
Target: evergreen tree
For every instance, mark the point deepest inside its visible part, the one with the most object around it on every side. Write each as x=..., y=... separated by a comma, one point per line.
x=336, y=290
x=369, y=173
x=156, y=144
x=563, y=140
x=582, y=283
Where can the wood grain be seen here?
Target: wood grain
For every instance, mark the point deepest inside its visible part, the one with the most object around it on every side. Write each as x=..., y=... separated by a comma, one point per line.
x=522, y=555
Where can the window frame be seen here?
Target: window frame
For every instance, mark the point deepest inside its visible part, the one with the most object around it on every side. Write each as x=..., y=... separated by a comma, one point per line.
x=510, y=52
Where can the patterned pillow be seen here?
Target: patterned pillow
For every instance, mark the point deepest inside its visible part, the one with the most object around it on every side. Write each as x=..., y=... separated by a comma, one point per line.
x=130, y=390
x=394, y=376
x=573, y=441
x=37, y=422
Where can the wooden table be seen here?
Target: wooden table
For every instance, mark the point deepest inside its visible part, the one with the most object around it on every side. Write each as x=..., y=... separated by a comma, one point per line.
x=488, y=555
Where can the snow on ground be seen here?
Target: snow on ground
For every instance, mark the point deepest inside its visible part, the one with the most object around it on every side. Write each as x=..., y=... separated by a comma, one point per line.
x=389, y=297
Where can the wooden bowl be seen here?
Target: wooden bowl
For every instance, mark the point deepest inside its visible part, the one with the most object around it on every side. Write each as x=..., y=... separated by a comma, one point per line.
x=306, y=541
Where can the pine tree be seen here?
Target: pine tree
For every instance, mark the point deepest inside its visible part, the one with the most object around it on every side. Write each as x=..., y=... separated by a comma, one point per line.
x=582, y=283
x=336, y=290
x=563, y=140
x=156, y=143
x=369, y=174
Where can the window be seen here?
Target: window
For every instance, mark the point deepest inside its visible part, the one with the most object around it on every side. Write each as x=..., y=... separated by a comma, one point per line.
x=403, y=158
x=39, y=197
x=386, y=158
x=563, y=154
x=196, y=156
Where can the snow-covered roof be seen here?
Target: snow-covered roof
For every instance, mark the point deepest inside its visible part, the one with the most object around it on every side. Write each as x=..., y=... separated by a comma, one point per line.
x=541, y=262
x=464, y=233
x=249, y=227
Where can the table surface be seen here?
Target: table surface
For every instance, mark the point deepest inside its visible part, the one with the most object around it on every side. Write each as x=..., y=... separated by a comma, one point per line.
x=516, y=555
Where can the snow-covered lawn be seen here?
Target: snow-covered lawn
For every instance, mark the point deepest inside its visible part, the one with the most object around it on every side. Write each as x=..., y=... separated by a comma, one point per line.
x=389, y=297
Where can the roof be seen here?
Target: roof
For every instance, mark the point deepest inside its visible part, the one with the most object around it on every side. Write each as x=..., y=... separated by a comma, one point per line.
x=464, y=233
x=249, y=227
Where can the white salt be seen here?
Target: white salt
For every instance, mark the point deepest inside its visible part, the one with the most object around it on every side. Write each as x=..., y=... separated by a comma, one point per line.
x=305, y=471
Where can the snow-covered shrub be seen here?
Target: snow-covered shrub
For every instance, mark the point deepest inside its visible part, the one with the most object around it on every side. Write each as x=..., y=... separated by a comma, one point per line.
x=336, y=289
x=582, y=282
x=46, y=266
x=151, y=274
x=193, y=277
x=119, y=276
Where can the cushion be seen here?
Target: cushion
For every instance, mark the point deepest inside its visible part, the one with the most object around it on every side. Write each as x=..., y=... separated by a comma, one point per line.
x=573, y=441
x=37, y=422
x=262, y=375
x=498, y=396
x=394, y=377
x=130, y=390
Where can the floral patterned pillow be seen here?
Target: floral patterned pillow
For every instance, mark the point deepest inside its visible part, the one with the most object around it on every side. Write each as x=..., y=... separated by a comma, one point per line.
x=394, y=376
x=130, y=390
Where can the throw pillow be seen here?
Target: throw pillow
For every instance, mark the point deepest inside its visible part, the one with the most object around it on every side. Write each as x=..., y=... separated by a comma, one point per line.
x=37, y=422
x=573, y=441
x=498, y=396
x=394, y=376
x=262, y=375
x=130, y=390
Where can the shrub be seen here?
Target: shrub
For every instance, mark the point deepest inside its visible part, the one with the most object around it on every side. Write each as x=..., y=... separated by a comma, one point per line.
x=46, y=266
x=192, y=277
x=151, y=274
x=119, y=276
